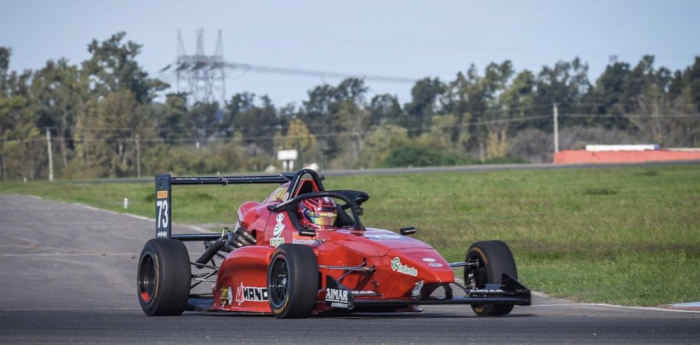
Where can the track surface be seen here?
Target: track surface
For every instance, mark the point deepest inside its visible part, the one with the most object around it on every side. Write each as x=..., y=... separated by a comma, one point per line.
x=67, y=275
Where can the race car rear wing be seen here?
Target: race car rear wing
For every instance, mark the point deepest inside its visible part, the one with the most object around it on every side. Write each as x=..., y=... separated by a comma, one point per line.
x=164, y=182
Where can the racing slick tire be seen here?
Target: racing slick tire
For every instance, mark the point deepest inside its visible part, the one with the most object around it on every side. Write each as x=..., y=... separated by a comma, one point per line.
x=164, y=277
x=495, y=258
x=292, y=281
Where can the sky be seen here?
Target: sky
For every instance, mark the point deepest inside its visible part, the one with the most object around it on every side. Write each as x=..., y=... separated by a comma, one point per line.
x=398, y=38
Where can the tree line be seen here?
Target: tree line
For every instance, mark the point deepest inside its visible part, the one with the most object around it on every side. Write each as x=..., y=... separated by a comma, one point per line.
x=105, y=118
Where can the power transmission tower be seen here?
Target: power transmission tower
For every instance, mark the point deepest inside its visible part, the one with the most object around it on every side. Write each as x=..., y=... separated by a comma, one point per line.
x=202, y=76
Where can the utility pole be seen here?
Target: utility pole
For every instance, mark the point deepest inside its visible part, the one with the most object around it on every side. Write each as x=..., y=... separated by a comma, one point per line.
x=556, y=128
x=2, y=153
x=48, y=144
x=138, y=156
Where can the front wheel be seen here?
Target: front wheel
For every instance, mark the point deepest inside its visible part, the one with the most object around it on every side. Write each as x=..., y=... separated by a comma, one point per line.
x=164, y=277
x=490, y=259
x=292, y=281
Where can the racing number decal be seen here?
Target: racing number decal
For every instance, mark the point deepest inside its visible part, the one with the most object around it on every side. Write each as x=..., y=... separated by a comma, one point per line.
x=162, y=206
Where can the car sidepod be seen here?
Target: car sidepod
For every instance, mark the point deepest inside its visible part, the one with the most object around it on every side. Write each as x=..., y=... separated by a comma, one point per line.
x=241, y=284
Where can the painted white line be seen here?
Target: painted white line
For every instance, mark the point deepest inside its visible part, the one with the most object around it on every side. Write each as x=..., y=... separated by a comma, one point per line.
x=193, y=227
x=686, y=305
x=641, y=308
x=616, y=307
x=112, y=212
x=196, y=228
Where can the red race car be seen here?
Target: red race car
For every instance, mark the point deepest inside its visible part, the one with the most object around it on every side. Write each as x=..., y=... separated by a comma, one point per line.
x=304, y=251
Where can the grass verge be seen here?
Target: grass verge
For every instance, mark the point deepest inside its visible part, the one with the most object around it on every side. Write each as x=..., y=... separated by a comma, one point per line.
x=615, y=235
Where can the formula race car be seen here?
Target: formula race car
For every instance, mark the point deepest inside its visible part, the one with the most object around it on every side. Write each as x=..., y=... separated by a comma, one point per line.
x=304, y=251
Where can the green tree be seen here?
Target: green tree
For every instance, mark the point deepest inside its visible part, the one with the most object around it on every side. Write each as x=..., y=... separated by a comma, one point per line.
x=114, y=67
x=299, y=138
x=693, y=81
x=119, y=124
x=172, y=121
x=424, y=105
x=606, y=99
x=468, y=99
x=20, y=156
x=379, y=143
x=21, y=153
x=564, y=84
x=203, y=121
x=419, y=154
x=55, y=92
x=4, y=68
x=258, y=125
x=239, y=103
x=353, y=121
x=320, y=112
x=385, y=108
x=663, y=113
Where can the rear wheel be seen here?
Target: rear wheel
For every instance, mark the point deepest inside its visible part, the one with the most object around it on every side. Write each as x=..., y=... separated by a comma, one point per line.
x=491, y=260
x=292, y=281
x=164, y=277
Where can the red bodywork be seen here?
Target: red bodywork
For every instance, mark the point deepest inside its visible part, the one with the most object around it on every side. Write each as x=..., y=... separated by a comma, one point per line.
x=399, y=262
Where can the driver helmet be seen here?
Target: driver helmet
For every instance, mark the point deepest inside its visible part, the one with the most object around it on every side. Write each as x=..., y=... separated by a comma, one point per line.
x=318, y=213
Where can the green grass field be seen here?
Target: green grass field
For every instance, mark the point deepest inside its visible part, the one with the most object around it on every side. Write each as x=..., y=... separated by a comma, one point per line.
x=614, y=235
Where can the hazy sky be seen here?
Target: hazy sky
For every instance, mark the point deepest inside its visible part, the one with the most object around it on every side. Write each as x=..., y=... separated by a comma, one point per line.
x=394, y=38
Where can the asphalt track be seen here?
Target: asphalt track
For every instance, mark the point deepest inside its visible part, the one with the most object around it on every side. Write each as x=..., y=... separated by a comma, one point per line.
x=67, y=275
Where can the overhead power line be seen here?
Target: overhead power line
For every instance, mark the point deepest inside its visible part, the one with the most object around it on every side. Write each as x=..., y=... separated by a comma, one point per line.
x=205, y=76
x=314, y=73
x=202, y=64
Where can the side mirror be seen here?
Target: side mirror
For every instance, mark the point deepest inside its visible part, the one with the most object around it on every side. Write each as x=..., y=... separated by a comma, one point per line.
x=409, y=230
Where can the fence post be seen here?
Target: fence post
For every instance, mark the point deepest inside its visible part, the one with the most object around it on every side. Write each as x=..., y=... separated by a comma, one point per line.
x=556, y=128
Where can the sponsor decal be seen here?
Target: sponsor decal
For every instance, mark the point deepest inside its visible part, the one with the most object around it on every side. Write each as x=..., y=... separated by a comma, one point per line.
x=307, y=242
x=363, y=293
x=286, y=196
x=384, y=237
x=276, y=240
x=226, y=296
x=337, y=296
x=162, y=194
x=298, y=239
x=278, y=194
x=428, y=259
x=279, y=226
x=397, y=266
x=435, y=264
x=162, y=234
x=486, y=291
x=250, y=294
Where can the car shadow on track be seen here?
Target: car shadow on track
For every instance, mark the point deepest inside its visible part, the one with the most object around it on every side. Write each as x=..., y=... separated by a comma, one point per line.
x=395, y=316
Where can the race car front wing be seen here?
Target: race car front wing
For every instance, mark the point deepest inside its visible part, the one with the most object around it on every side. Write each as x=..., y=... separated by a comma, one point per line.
x=510, y=291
